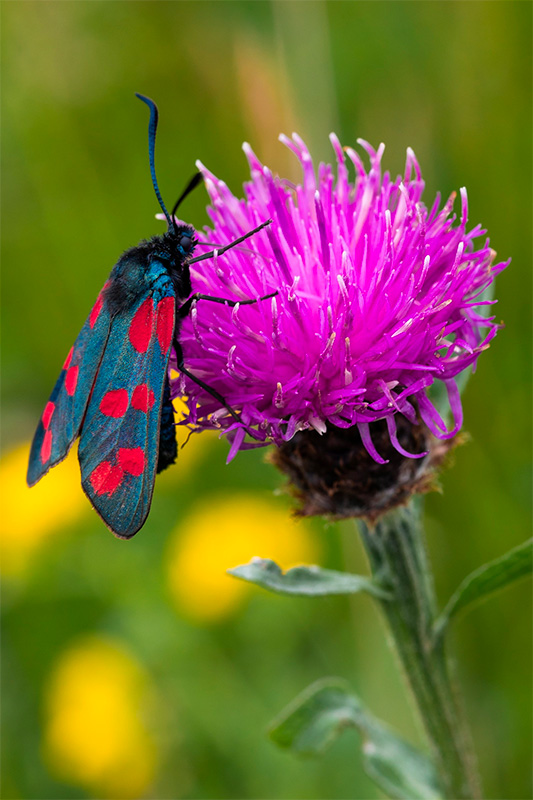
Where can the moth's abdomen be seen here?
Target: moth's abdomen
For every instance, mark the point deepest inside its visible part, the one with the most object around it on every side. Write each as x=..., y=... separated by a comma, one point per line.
x=168, y=448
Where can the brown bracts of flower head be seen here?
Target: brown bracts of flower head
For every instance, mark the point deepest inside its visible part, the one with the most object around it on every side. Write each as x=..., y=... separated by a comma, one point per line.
x=334, y=475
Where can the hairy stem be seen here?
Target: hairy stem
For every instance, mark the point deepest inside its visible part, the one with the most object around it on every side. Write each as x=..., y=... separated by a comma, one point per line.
x=396, y=550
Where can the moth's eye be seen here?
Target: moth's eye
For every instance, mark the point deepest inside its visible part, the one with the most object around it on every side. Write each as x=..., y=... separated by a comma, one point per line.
x=185, y=243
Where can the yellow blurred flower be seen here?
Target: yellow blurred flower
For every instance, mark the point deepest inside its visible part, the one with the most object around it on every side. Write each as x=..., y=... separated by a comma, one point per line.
x=94, y=733
x=195, y=444
x=30, y=516
x=221, y=533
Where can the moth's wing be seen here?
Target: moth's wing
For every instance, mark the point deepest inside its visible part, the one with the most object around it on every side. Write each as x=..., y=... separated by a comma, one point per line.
x=62, y=417
x=119, y=442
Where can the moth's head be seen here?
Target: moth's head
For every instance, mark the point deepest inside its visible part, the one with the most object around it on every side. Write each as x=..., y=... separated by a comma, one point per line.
x=183, y=238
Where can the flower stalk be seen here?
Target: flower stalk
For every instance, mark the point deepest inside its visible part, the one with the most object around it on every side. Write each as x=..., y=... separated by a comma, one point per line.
x=397, y=554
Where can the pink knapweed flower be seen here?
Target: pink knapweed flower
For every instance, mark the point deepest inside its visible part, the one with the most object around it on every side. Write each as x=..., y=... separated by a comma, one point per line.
x=377, y=299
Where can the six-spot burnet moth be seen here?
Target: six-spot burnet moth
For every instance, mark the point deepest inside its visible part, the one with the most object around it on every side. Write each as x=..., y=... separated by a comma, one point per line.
x=113, y=391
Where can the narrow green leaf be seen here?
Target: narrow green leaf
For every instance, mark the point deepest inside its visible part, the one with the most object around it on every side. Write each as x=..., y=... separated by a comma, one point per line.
x=481, y=583
x=305, y=581
x=325, y=709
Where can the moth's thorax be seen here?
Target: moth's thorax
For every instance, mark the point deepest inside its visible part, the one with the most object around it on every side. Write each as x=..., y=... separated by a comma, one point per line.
x=140, y=267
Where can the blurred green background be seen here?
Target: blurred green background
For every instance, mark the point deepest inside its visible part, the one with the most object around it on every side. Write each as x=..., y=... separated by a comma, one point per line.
x=137, y=669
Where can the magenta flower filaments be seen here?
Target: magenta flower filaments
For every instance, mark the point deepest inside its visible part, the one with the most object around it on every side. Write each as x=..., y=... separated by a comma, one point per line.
x=377, y=298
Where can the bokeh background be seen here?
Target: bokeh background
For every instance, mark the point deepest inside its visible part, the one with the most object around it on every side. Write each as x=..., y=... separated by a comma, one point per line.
x=139, y=669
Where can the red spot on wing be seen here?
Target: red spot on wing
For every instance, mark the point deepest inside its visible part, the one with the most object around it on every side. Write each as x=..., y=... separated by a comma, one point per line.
x=142, y=398
x=46, y=447
x=71, y=379
x=165, y=322
x=68, y=359
x=131, y=459
x=105, y=478
x=47, y=414
x=114, y=403
x=140, y=331
x=95, y=313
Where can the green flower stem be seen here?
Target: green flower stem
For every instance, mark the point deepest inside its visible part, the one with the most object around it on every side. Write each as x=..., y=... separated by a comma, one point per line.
x=397, y=554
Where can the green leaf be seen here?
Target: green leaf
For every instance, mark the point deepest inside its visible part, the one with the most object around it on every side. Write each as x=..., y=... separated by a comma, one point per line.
x=477, y=586
x=305, y=581
x=325, y=709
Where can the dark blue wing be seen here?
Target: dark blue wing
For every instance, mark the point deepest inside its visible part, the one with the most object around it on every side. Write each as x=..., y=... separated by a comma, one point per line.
x=119, y=442
x=61, y=420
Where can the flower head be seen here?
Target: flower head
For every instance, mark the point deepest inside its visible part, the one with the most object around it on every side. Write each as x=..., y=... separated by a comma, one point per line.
x=377, y=299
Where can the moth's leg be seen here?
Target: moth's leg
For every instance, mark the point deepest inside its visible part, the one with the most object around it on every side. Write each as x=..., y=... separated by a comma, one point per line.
x=213, y=392
x=184, y=310
x=227, y=247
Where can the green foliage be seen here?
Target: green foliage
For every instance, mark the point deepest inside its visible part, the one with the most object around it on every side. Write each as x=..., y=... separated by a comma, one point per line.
x=309, y=581
x=318, y=716
x=484, y=581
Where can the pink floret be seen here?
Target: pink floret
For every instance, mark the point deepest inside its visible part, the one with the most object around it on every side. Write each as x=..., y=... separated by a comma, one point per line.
x=377, y=299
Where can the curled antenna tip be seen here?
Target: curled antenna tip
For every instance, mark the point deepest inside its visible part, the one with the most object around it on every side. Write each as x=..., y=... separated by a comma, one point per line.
x=145, y=99
x=152, y=129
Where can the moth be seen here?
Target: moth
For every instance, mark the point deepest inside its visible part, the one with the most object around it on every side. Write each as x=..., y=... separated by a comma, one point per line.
x=113, y=391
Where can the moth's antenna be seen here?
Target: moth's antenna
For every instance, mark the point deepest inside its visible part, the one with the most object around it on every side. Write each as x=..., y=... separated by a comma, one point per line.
x=193, y=183
x=152, y=128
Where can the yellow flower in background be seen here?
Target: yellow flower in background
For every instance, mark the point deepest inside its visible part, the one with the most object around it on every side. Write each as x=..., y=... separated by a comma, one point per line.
x=30, y=516
x=190, y=447
x=195, y=444
x=94, y=733
x=222, y=532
